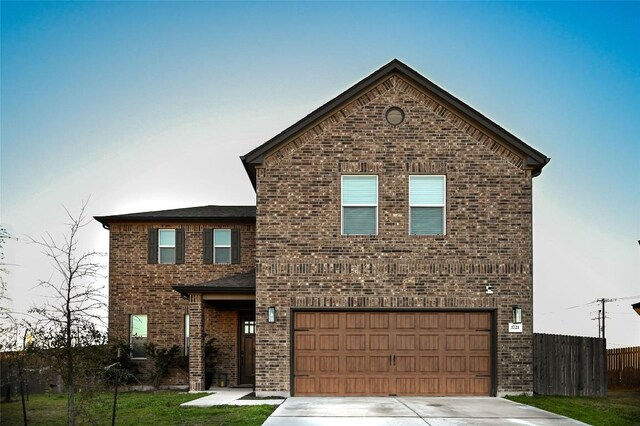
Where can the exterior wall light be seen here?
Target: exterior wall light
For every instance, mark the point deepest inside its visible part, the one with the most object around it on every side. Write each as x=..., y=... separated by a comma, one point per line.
x=271, y=314
x=517, y=314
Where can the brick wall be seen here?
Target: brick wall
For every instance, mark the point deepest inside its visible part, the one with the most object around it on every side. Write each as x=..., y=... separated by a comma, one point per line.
x=136, y=287
x=303, y=260
x=223, y=327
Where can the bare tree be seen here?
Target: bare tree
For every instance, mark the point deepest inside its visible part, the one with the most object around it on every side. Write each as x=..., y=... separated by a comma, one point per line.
x=4, y=298
x=74, y=305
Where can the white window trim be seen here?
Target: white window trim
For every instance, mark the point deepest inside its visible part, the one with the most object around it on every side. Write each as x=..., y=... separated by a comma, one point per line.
x=160, y=247
x=343, y=205
x=443, y=205
x=215, y=246
x=131, y=333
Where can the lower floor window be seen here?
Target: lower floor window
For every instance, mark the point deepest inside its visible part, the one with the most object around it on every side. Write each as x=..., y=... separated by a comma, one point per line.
x=186, y=335
x=138, y=333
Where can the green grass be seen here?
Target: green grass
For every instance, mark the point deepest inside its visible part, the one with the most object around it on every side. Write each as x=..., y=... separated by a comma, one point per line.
x=615, y=410
x=134, y=408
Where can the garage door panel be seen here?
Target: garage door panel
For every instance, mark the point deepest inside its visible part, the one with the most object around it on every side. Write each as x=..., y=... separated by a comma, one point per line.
x=379, y=321
x=456, y=364
x=329, y=385
x=356, y=385
x=406, y=321
x=356, y=320
x=305, y=385
x=379, y=364
x=429, y=320
x=406, y=386
x=479, y=386
x=456, y=320
x=429, y=386
x=405, y=364
x=305, y=364
x=479, y=342
x=392, y=353
x=429, y=364
x=455, y=342
x=406, y=342
x=329, y=364
x=480, y=320
x=355, y=342
x=379, y=386
x=305, y=342
x=329, y=320
x=429, y=342
x=456, y=386
x=379, y=342
x=329, y=342
x=479, y=364
x=354, y=364
x=306, y=320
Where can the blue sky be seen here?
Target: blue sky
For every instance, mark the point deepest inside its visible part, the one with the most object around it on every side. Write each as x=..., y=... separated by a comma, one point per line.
x=148, y=105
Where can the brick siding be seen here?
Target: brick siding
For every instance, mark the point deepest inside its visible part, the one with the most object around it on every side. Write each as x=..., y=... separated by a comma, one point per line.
x=136, y=287
x=304, y=261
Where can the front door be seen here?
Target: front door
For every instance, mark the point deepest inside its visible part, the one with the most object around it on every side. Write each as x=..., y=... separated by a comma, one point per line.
x=247, y=358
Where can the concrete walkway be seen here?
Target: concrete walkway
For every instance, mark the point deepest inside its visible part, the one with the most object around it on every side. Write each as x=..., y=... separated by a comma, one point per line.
x=410, y=411
x=229, y=396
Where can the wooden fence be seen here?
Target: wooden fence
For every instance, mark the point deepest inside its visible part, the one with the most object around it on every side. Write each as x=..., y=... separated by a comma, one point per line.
x=623, y=367
x=569, y=365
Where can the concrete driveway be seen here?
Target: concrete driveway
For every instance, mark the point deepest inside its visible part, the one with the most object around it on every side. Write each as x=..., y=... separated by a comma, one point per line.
x=391, y=411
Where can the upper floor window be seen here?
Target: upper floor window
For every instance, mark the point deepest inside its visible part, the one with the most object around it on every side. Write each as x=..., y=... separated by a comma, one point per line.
x=138, y=336
x=221, y=246
x=359, y=205
x=427, y=205
x=165, y=246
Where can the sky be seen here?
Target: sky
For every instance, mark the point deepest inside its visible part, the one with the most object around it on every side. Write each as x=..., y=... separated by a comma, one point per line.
x=148, y=105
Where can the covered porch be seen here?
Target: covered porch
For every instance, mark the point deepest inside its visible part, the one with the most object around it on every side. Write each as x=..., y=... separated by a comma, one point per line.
x=221, y=338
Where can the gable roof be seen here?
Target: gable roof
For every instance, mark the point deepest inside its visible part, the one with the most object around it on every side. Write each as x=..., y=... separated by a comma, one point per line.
x=188, y=214
x=534, y=158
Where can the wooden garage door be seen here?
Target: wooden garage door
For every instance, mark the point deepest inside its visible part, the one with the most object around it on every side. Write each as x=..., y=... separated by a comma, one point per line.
x=392, y=353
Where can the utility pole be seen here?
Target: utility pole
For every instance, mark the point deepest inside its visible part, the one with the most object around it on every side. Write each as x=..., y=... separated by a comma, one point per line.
x=602, y=302
x=599, y=317
x=599, y=326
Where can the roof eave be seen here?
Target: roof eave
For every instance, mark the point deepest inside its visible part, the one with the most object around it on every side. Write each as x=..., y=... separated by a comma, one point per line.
x=107, y=220
x=189, y=289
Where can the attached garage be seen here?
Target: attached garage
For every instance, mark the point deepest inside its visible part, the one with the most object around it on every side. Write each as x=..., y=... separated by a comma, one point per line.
x=356, y=353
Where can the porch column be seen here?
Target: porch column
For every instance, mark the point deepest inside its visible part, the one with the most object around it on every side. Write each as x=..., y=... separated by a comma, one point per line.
x=196, y=343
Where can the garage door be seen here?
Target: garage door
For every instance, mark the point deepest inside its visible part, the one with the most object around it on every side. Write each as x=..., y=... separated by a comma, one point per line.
x=392, y=353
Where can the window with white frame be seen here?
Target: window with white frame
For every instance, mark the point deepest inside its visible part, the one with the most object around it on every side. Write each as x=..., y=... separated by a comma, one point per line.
x=427, y=205
x=360, y=205
x=222, y=246
x=166, y=246
x=186, y=335
x=138, y=336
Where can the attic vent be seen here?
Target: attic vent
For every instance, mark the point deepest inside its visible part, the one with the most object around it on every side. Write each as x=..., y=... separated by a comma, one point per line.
x=395, y=116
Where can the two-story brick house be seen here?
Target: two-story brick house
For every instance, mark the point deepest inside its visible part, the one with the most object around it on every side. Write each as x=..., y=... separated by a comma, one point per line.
x=390, y=252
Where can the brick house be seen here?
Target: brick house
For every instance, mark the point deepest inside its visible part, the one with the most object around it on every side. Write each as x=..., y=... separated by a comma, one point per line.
x=390, y=252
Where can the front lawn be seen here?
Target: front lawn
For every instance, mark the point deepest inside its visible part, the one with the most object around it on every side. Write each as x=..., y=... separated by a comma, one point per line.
x=615, y=410
x=134, y=408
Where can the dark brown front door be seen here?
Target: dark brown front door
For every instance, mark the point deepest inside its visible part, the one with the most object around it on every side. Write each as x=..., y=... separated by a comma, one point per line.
x=392, y=353
x=247, y=359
